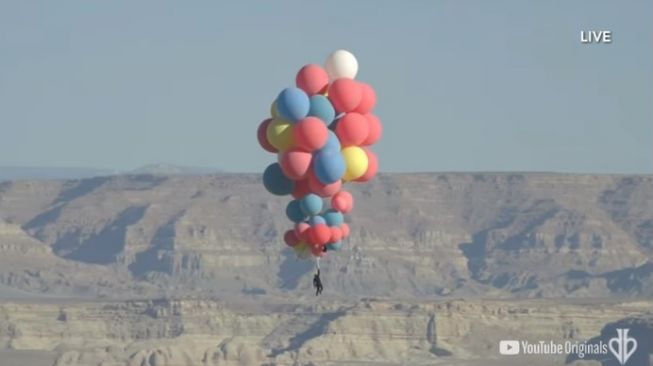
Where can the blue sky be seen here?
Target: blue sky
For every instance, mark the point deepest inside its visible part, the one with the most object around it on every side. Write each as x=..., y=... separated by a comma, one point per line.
x=462, y=85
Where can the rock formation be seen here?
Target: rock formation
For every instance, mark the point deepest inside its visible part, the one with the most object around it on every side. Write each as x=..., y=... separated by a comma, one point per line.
x=154, y=270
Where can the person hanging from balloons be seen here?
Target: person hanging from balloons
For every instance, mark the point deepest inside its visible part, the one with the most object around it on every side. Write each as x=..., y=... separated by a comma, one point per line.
x=317, y=283
x=321, y=131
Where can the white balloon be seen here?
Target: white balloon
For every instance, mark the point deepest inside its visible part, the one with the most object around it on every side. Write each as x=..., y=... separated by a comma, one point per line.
x=341, y=64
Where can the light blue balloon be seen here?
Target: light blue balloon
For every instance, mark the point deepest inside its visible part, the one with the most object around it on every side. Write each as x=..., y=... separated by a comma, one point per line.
x=294, y=211
x=332, y=144
x=293, y=104
x=317, y=219
x=335, y=246
x=321, y=108
x=333, y=217
x=275, y=181
x=311, y=204
x=329, y=166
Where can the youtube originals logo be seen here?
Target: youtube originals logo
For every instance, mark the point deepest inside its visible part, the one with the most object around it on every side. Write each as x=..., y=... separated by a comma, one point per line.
x=509, y=347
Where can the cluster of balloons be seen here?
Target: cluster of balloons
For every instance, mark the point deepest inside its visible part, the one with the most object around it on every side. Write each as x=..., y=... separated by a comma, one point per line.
x=321, y=131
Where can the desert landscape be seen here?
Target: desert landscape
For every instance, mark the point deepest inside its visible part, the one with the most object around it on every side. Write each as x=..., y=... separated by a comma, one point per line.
x=326, y=183
x=151, y=270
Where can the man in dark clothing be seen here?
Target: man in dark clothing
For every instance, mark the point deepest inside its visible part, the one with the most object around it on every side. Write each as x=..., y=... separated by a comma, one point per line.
x=317, y=283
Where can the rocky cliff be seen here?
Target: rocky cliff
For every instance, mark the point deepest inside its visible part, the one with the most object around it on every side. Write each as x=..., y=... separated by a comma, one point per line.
x=380, y=332
x=414, y=235
x=151, y=270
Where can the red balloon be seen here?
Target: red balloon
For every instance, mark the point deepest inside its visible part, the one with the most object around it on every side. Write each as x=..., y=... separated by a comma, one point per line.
x=372, y=166
x=368, y=99
x=301, y=230
x=336, y=234
x=321, y=189
x=312, y=79
x=320, y=234
x=295, y=163
x=342, y=201
x=300, y=189
x=345, y=95
x=318, y=250
x=309, y=239
x=263, y=138
x=310, y=134
x=345, y=230
x=374, y=129
x=352, y=129
x=290, y=237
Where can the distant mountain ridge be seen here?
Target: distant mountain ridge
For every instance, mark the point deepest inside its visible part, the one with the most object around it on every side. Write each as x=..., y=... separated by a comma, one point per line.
x=413, y=236
x=171, y=169
x=9, y=173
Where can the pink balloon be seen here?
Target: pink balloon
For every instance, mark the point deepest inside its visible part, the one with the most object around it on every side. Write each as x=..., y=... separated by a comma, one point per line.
x=295, y=163
x=308, y=236
x=312, y=79
x=301, y=230
x=372, y=166
x=345, y=230
x=345, y=95
x=263, y=138
x=368, y=99
x=310, y=134
x=300, y=189
x=375, y=129
x=336, y=234
x=317, y=250
x=290, y=237
x=352, y=129
x=342, y=201
x=320, y=234
x=321, y=189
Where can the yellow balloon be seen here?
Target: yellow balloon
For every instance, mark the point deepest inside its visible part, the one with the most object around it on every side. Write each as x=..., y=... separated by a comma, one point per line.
x=273, y=109
x=279, y=134
x=301, y=250
x=356, y=161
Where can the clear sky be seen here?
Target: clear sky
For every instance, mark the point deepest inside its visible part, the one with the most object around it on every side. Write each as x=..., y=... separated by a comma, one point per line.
x=462, y=85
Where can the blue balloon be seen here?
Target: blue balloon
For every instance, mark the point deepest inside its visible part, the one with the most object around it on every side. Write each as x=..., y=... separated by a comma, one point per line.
x=335, y=246
x=333, y=217
x=321, y=108
x=332, y=144
x=329, y=166
x=293, y=104
x=294, y=211
x=317, y=219
x=311, y=204
x=275, y=181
